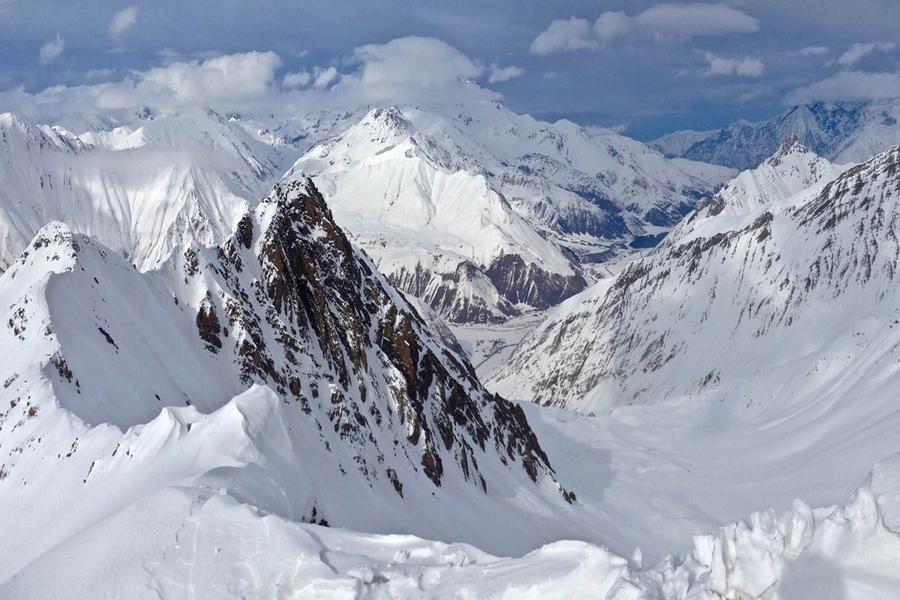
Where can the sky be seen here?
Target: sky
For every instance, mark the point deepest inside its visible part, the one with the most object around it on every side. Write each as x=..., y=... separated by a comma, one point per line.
x=643, y=67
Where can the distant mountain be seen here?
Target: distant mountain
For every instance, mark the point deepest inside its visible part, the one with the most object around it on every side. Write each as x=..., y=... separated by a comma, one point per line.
x=590, y=188
x=843, y=133
x=440, y=234
x=142, y=188
x=484, y=216
x=482, y=213
x=793, y=170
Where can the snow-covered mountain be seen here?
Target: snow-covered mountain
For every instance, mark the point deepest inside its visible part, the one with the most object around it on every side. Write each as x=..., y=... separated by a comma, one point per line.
x=843, y=133
x=247, y=410
x=477, y=214
x=792, y=171
x=782, y=304
x=218, y=498
x=738, y=362
x=582, y=182
x=141, y=188
x=118, y=384
x=443, y=235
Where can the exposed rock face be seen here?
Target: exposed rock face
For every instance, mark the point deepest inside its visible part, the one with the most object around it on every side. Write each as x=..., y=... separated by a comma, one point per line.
x=286, y=302
x=476, y=295
x=317, y=297
x=208, y=325
x=464, y=296
x=521, y=283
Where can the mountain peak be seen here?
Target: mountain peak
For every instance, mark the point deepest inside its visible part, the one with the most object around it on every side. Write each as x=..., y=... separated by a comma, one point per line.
x=792, y=170
x=387, y=119
x=10, y=119
x=792, y=150
x=16, y=125
x=792, y=144
x=54, y=242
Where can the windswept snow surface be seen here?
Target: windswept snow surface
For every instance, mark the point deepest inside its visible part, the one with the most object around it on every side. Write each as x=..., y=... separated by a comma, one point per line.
x=189, y=542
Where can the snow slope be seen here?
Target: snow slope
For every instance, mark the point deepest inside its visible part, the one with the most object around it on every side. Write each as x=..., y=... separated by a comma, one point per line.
x=843, y=133
x=729, y=369
x=141, y=188
x=184, y=542
x=664, y=327
x=119, y=384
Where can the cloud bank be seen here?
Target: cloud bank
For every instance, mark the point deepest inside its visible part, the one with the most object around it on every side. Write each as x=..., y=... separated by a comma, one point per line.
x=501, y=74
x=848, y=86
x=411, y=70
x=661, y=23
x=564, y=36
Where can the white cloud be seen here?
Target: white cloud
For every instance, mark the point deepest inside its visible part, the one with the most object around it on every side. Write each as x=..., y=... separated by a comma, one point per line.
x=500, y=74
x=613, y=25
x=663, y=22
x=411, y=70
x=228, y=79
x=122, y=21
x=299, y=79
x=52, y=50
x=744, y=67
x=848, y=86
x=325, y=77
x=426, y=62
x=857, y=52
x=564, y=36
x=406, y=71
x=813, y=51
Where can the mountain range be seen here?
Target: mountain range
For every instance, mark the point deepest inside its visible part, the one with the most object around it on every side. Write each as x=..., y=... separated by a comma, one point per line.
x=846, y=132
x=481, y=222
x=227, y=371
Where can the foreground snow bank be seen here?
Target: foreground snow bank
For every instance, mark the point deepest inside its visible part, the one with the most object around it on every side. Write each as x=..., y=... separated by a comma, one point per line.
x=187, y=542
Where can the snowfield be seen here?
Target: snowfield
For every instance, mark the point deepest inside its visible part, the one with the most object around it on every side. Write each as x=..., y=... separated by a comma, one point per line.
x=213, y=390
x=192, y=541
